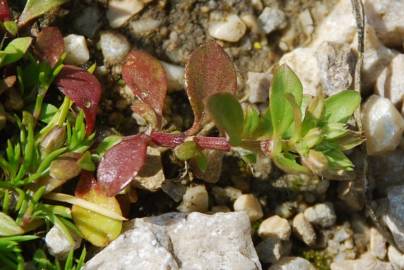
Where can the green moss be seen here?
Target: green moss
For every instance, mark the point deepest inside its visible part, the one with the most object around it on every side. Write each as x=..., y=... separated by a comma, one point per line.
x=320, y=259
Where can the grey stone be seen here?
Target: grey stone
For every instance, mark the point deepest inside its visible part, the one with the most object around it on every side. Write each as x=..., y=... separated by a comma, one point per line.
x=292, y=263
x=377, y=244
x=272, y=19
x=88, y=21
x=304, y=230
x=114, y=47
x=336, y=64
x=321, y=214
x=394, y=217
x=180, y=241
x=272, y=249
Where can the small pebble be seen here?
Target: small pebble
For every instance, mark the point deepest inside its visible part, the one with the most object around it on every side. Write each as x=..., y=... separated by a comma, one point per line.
x=195, y=199
x=120, y=11
x=114, y=47
x=272, y=19
x=249, y=204
x=231, y=29
x=76, y=50
x=377, y=244
x=304, y=230
x=275, y=226
x=321, y=214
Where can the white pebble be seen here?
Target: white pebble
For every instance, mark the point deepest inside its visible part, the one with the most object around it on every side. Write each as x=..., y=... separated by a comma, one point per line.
x=76, y=49
x=120, y=11
x=144, y=26
x=396, y=258
x=321, y=214
x=272, y=19
x=377, y=244
x=114, y=47
x=249, y=204
x=383, y=125
x=195, y=199
x=304, y=230
x=231, y=29
x=57, y=243
x=275, y=226
x=175, y=76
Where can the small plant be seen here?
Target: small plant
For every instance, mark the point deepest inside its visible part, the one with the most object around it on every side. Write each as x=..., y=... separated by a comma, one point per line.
x=301, y=134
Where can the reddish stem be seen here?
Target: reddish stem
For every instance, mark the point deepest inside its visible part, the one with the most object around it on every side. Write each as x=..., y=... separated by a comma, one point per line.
x=214, y=143
x=167, y=139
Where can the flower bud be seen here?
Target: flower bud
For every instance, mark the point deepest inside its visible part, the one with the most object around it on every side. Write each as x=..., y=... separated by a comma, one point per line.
x=316, y=161
x=54, y=140
x=65, y=167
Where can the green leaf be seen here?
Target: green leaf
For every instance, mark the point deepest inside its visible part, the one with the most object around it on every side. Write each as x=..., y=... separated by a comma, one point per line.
x=186, y=150
x=8, y=226
x=47, y=112
x=11, y=27
x=335, y=130
x=201, y=162
x=107, y=143
x=86, y=163
x=36, y=8
x=15, y=50
x=340, y=107
x=287, y=162
x=284, y=81
x=227, y=114
x=251, y=121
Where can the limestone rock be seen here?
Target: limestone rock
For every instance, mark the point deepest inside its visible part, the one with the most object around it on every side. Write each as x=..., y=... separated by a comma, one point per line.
x=292, y=263
x=275, y=226
x=76, y=49
x=114, y=47
x=321, y=214
x=195, y=199
x=272, y=19
x=230, y=28
x=336, y=63
x=179, y=241
x=390, y=83
x=396, y=258
x=387, y=17
x=248, y=203
x=383, y=125
x=304, y=230
x=120, y=11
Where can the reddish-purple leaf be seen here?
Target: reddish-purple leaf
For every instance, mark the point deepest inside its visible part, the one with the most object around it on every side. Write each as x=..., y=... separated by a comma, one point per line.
x=122, y=163
x=147, y=79
x=4, y=11
x=50, y=45
x=83, y=89
x=86, y=183
x=209, y=71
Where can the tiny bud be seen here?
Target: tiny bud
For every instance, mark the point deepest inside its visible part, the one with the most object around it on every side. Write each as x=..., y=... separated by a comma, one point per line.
x=186, y=150
x=65, y=167
x=316, y=161
x=54, y=140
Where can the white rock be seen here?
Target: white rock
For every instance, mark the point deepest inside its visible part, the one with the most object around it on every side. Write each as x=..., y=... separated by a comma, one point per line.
x=390, y=83
x=275, y=226
x=270, y=250
x=248, y=203
x=120, y=11
x=258, y=86
x=394, y=217
x=321, y=214
x=396, y=258
x=304, y=230
x=304, y=63
x=76, y=50
x=292, y=263
x=175, y=76
x=151, y=176
x=144, y=26
x=383, y=125
x=195, y=199
x=231, y=29
x=366, y=261
x=306, y=21
x=57, y=243
x=377, y=244
x=178, y=241
x=272, y=19
x=387, y=17
x=114, y=47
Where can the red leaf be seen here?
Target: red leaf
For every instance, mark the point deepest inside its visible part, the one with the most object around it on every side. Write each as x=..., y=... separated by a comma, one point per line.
x=50, y=45
x=4, y=11
x=122, y=163
x=86, y=183
x=84, y=89
x=209, y=70
x=147, y=79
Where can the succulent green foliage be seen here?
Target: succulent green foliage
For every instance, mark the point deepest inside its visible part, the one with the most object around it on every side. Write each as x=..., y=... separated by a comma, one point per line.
x=306, y=134
x=41, y=261
x=14, y=50
x=11, y=27
x=227, y=113
x=11, y=253
x=36, y=8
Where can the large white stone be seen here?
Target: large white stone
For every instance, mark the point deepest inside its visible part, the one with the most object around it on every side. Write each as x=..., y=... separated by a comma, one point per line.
x=114, y=47
x=383, y=125
x=57, y=243
x=394, y=217
x=76, y=50
x=120, y=11
x=179, y=241
x=230, y=28
x=387, y=17
x=390, y=83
